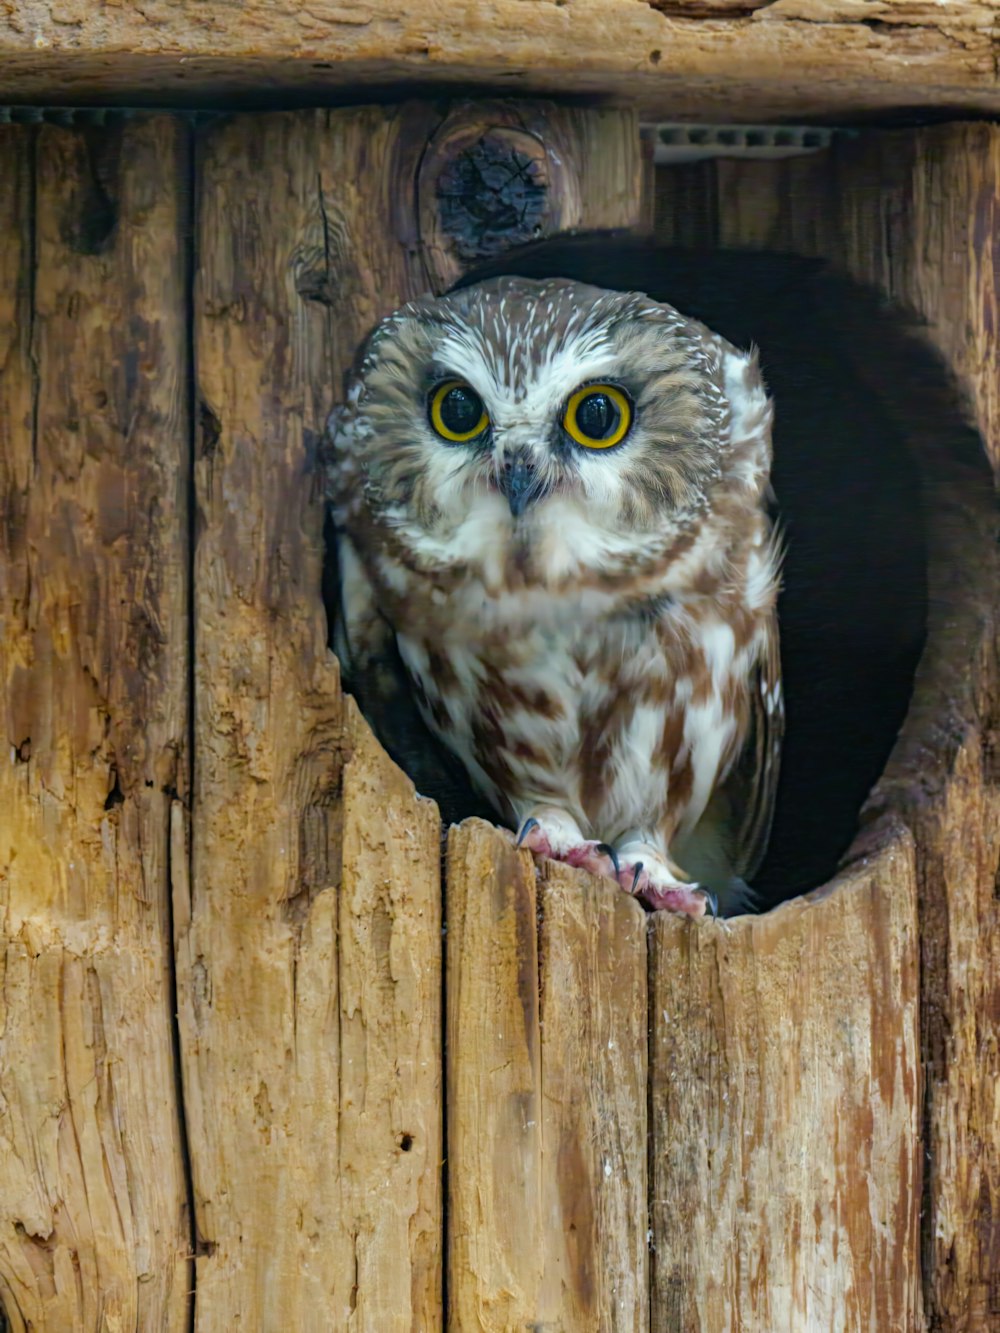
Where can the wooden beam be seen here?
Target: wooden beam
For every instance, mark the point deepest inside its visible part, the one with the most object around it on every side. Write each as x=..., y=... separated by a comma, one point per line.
x=94, y=1220
x=715, y=59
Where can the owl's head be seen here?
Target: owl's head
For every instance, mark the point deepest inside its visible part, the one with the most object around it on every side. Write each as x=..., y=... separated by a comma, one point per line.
x=517, y=411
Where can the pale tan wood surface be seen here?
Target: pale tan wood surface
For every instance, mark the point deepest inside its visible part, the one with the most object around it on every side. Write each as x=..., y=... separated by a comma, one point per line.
x=546, y=1102
x=594, y=1043
x=931, y=241
x=94, y=1222
x=785, y=1077
x=309, y=952
x=796, y=59
x=496, y=1219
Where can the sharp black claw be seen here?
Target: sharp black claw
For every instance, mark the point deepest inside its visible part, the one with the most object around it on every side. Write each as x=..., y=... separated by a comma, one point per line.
x=635, y=876
x=607, y=850
x=526, y=828
x=712, y=901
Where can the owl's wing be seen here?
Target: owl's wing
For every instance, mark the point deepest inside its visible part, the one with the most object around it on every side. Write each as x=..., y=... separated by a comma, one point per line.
x=365, y=644
x=753, y=781
x=362, y=638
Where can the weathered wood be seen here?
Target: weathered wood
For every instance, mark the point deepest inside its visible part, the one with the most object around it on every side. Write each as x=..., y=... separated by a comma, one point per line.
x=592, y=961
x=94, y=1223
x=928, y=237
x=546, y=1102
x=546, y=1111
x=785, y=1074
x=500, y=174
x=681, y=58
x=915, y=213
x=496, y=1218
x=312, y=1059
x=787, y=1106
x=309, y=956
x=389, y=942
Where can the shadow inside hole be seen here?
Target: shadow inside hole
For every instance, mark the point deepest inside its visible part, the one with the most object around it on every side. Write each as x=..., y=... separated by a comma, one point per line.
x=853, y=608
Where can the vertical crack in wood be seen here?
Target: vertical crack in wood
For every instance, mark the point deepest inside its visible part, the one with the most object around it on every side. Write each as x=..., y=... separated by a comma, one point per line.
x=180, y=813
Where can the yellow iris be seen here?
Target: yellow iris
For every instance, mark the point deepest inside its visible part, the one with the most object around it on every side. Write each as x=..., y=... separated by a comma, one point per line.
x=457, y=412
x=598, y=416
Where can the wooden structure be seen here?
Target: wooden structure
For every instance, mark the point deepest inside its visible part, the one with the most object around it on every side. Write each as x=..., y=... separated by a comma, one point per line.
x=244, y=1083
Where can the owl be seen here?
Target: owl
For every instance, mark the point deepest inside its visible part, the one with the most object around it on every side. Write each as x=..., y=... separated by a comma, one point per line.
x=552, y=503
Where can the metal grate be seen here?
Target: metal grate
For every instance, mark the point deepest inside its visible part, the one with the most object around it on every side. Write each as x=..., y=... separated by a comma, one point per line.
x=693, y=143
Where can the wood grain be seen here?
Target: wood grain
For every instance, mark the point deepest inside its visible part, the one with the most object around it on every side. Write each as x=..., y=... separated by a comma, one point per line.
x=592, y=945
x=389, y=940
x=585, y=165
x=915, y=213
x=496, y=1217
x=546, y=1102
x=785, y=1074
x=309, y=952
x=936, y=251
x=94, y=1222
x=719, y=59
x=546, y=1027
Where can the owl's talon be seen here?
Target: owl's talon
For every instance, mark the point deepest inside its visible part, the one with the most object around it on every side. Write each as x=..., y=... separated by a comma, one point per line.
x=526, y=828
x=607, y=850
x=555, y=834
x=659, y=883
x=712, y=902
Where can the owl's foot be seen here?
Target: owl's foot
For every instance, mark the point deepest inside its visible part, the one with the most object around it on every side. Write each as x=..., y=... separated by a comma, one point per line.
x=551, y=832
x=660, y=885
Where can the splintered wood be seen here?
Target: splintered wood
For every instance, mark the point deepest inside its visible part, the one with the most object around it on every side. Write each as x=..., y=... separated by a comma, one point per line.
x=94, y=1230
x=785, y=1076
x=839, y=60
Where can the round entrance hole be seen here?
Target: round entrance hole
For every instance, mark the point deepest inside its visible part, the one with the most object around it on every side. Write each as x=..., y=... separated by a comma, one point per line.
x=867, y=423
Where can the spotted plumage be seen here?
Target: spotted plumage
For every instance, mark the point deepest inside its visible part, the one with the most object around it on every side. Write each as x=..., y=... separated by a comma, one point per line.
x=590, y=629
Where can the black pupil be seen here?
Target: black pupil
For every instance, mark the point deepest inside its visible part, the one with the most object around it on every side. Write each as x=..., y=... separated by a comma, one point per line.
x=597, y=416
x=461, y=409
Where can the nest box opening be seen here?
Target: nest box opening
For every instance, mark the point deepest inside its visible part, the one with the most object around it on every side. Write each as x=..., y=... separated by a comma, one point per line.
x=868, y=422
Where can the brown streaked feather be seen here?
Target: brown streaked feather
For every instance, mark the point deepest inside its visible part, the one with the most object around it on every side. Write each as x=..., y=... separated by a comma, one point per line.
x=753, y=782
x=365, y=644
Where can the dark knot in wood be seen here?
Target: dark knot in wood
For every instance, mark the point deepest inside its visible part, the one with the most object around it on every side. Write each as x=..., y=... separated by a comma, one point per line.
x=492, y=195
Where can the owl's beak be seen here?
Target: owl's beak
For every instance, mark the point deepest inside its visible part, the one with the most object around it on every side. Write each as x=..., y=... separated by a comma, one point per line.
x=519, y=483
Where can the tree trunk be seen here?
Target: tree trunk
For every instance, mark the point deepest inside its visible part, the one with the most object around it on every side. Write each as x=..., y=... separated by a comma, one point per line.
x=836, y=61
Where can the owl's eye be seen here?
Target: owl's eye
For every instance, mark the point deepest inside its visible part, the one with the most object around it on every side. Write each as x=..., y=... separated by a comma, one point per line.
x=598, y=416
x=457, y=412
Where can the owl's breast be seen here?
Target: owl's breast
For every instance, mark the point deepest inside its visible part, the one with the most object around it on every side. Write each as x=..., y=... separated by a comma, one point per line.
x=506, y=702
